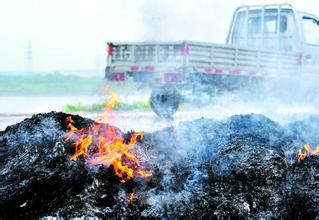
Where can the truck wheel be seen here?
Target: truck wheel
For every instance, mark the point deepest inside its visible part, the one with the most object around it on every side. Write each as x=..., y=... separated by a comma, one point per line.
x=165, y=101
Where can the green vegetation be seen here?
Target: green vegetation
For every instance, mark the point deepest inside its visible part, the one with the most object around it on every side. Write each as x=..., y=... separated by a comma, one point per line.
x=62, y=84
x=53, y=83
x=71, y=108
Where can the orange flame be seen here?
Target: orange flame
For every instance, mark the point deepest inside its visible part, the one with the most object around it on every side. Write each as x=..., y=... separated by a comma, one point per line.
x=112, y=153
x=107, y=147
x=104, y=117
x=132, y=197
x=308, y=151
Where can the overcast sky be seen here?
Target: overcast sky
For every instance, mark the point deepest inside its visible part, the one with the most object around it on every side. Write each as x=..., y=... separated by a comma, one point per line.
x=71, y=34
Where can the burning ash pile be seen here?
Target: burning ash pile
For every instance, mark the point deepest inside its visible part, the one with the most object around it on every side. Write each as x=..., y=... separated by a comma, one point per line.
x=247, y=166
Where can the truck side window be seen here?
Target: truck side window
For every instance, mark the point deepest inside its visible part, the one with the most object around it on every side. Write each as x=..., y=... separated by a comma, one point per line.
x=254, y=22
x=238, y=34
x=283, y=24
x=270, y=25
x=311, y=29
x=254, y=25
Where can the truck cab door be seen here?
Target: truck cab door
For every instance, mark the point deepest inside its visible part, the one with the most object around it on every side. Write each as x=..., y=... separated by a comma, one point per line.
x=310, y=53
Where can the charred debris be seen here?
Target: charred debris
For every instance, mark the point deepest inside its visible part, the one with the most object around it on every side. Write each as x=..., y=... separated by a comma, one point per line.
x=243, y=167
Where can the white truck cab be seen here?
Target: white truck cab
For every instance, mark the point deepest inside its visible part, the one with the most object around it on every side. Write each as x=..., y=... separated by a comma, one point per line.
x=277, y=27
x=273, y=27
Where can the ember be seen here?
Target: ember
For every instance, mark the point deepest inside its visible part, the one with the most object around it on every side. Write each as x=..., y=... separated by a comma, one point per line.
x=132, y=197
x=112, y=148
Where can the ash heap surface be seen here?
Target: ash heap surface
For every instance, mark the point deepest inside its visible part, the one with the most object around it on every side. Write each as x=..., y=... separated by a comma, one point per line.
x=243, y=167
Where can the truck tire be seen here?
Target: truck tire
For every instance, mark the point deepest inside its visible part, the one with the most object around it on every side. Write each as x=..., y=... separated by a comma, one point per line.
x=165, y=101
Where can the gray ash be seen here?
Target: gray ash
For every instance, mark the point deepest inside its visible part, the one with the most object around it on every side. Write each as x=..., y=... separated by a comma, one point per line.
x=242, y=167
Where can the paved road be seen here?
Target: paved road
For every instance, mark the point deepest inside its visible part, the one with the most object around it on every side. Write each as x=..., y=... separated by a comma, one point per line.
x=32, y=104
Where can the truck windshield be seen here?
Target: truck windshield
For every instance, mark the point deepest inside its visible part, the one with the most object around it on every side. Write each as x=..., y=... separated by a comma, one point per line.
x=311, y=29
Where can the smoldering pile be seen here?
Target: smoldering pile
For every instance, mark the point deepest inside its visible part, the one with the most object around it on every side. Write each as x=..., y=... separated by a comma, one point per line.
x=242, y=167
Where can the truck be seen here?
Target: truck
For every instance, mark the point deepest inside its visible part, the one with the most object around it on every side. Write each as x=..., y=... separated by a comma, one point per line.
x=273, y=41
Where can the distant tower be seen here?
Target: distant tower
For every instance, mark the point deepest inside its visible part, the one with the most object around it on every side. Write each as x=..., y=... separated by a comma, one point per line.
x=29, y=62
